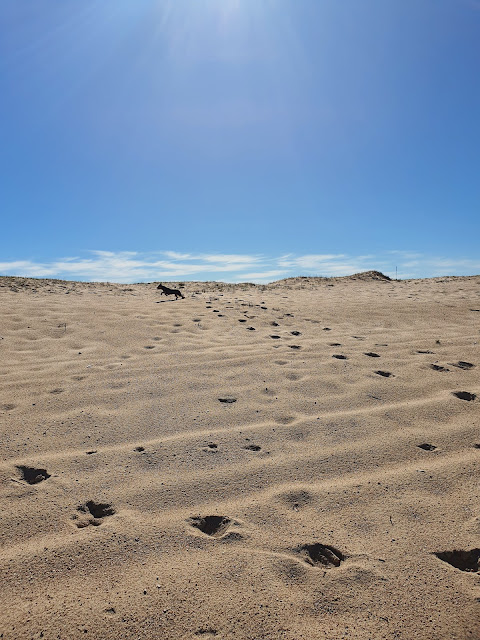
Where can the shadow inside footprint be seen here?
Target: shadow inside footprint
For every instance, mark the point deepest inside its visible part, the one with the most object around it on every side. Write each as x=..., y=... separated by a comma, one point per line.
x=463, y=560
x=340, y=357
x=213, y=526
x=321, y=555
x=465, y=395
x=371, y=354
x=463, y=365
x=385, y=374
x=206, y=632
x=253, y=447
x=437, y=367
x=228, y=400
x=426, y=447
x=211, y=446
x=32, y=475
x=97, y=509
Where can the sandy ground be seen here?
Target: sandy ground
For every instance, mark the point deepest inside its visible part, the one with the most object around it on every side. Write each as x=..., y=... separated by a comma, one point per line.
x=233, y=465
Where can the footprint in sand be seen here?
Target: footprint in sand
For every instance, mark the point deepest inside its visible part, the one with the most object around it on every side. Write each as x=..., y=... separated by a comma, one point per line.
x=275, y=337
x=7, y=407
x=461, y=364
x=139, y=449
x=253, y=447
x=206, y=632
x=297, y=499
x=228, y=399
x=321, y=555
x=340, y=357
x=460, y=559
x=295, y=333
x=385, y=374
x=93, y=513
x=295, y=346
x=334, y=344
x=211, y=447
x=213, y=526
x=32, y=475
x=464, y=395
x=371, y=354
x=250, y=328
x=437, y=367
x=293, y=376
x=427, y=447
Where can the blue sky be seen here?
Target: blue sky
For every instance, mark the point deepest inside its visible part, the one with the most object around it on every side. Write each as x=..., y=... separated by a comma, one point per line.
x=239, y=139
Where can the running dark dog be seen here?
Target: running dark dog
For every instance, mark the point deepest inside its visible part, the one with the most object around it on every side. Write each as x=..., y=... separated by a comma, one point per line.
x=168, y=292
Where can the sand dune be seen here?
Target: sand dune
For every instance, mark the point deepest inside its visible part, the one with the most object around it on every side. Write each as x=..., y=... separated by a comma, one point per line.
x=293, y=461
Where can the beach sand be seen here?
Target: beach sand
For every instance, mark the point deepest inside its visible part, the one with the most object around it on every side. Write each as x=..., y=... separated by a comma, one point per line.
x=250, y=462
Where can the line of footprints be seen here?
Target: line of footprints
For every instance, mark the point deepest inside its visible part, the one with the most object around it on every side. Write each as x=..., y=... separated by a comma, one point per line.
x=218, y=527
x=316, y=554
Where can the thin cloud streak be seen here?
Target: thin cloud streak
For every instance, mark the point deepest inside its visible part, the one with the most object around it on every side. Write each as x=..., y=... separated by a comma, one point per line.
x=133, y=266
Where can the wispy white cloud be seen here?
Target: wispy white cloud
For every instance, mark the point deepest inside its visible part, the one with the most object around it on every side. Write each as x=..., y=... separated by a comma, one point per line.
x=309, y=261
x=174, y=255
x=328, y=264
x=262, y=276
x=231, y=258
x=133, y=266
